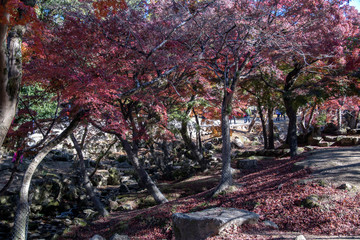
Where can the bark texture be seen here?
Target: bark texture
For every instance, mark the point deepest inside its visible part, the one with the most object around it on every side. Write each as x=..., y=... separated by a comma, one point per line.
x=145, y=179
x=23, y=207
x=10, y=66
x=86, y=180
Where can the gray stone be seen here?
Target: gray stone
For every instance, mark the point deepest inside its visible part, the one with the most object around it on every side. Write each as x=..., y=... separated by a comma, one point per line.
x=311, y=201
x=208, y=146
x=330, y=138
x=114, y=205
x=100, y=178
x=345, y=186
x=271, y=224
x=124, y=165
x=97, y=237
x=237, y=143
x=247, y=164
x=348, y=141
x=300, y=237
x=114, y=177
x=123, y=189
x=119, y=237
x=314, y=141
x=324, y=144
x=209, y=222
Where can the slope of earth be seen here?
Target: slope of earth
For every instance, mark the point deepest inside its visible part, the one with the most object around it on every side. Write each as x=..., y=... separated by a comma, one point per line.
x=275, y=191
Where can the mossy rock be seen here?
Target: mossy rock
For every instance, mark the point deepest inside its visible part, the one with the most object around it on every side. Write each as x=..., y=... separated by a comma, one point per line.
x=312, y=201
x=147, y=202
x=114, y=177
x=80, y=222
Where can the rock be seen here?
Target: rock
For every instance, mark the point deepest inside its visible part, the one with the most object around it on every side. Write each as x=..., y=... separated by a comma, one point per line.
x=271, y=224
x=247, y=164
x=208, y=146
x=119, y=237
x=57, y=155
x=114, y=177
x=97, y=237
x=298, y=166
x=100, y=178
x=300, y=237
x=89, y=213
x=209, y=222
x=324, y=144
x=80, y=222
x=311, y=201
x=237, y=143
x=352, y=131
x=345, y=186
x=314, y=141
x=124, y=165
x=129, y=205
x=329, y=138
x=123, y=189
x=330, y=128
x=347, y=141
x=114, y=205
x=342, y=131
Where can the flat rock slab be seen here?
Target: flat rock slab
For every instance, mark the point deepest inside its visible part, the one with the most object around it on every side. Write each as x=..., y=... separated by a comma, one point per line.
x=209, y=222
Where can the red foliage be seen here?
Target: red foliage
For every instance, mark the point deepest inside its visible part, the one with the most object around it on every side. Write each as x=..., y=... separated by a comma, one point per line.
x=273, y=193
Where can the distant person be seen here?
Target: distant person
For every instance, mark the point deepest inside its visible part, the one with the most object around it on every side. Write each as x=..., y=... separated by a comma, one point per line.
x=282, y=115
x=278, y=114
x=247, y=115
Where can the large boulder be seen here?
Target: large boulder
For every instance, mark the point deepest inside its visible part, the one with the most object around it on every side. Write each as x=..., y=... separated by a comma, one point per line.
x=249, y=164
x=209, y=222
x=114, y=177
x=347, y=141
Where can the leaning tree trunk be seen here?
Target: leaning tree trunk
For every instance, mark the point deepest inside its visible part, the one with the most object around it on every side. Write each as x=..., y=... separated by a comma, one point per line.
x=86, y=180
x=143, y=175
x=292, y=133
x=23, y=208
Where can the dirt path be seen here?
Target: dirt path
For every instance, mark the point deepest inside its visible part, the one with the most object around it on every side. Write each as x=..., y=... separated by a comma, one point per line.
x=336, y=165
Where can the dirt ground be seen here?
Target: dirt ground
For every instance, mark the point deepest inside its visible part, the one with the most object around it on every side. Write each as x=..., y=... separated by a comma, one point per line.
x=335, y=165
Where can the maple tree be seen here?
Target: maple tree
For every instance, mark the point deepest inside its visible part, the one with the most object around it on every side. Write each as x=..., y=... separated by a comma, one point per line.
x=309, y=52
x=123, y=51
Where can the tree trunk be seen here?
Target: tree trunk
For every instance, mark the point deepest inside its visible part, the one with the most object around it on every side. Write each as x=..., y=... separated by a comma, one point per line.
x=23, y=208
x=308, y=124
x=198, y=132
x=10, y=66
x=86, y=180
x=10, y=77
x=226, y=176
x=252, y=124
x=339, y=118
x=165, y=148
x=271, y=128
x=143, y=175
x=263, y=124
x=292, y=133
x=196, y=154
